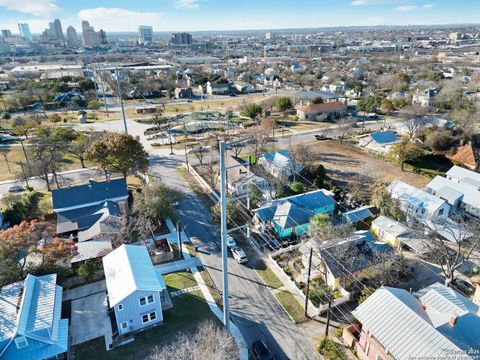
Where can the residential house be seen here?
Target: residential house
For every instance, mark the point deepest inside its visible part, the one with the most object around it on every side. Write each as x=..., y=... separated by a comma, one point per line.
x=420, y=123
x=354, y=255
x=136, y=292
x=245, y=88
x=321, y=112
x=291, y=215
x=91, y=211
x=184, y=93
x=218, y=89
x=310, y=97
x=460, y=189
x=279, y=164
x=31, y=326
x=379, y=141
x=425, y=98
x=239, y=178
x=466, y=155
x=435, y=322
x=70, y=97
x=418, y=203
x=356, y=215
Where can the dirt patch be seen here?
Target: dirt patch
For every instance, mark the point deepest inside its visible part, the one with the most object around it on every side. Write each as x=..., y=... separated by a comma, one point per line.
x=343, y=162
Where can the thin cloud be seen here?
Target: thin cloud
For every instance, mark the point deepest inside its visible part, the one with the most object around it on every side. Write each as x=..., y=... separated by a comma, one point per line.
x=117, y=19
x=376, y=2
x=428, y=6
x=187, y=4
x=406, y=8
x=34, y=7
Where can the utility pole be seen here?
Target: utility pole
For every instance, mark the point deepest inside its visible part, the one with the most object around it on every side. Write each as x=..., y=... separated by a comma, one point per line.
x=171, y=144
x=308, y=282
x=179, y=234
x=24, y=174
x=121, y=101
x=103, y=91
x=328, y=317
x=223, y=228
x=24, y=152
x=186, y=157
x=8, y=165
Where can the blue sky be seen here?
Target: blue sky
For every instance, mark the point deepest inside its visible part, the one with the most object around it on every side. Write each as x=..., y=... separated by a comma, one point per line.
x=191, y=15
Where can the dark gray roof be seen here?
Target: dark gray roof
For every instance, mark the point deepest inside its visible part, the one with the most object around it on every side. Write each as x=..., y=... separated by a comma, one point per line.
x=84, y=218
x=91, y=192
x=365, y=253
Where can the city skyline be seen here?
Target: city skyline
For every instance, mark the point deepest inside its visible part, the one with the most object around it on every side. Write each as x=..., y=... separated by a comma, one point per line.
x=204, y=15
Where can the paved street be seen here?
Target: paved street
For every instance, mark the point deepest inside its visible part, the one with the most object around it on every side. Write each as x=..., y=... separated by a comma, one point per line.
x=254, y=309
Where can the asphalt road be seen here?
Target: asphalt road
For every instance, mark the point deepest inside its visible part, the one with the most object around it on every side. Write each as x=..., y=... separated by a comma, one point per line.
x=253, y=308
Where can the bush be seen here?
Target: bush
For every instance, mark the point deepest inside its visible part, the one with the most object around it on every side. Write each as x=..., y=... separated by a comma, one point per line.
x=339, y=332
x=297, y=187
x=6, y=116
x=20, y=208
x=86, y=270
x=329, y=350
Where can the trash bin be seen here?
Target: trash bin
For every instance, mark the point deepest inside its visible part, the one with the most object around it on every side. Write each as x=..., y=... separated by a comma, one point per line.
x=196, y=248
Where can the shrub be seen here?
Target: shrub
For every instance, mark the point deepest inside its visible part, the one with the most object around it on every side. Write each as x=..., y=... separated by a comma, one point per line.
x=86, y=270
x=329, y=350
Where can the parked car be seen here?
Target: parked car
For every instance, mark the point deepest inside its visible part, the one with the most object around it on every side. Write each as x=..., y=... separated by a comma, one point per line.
x=16, y=188
x=463, y=286
x=260, y=351
x=231, y=242
x=239, y=255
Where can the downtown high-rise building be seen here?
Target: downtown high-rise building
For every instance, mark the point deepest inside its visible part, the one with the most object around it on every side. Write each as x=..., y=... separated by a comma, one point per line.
x=72, y=39
x=24, y=30
x=145, y=34
x=92, y=38
x=181, y=39
x=57, y=29
x=6, y=33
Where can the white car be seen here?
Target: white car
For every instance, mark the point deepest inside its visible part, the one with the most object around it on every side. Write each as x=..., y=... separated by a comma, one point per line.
x=231, y=242
x=239, y=255
x=16, y=188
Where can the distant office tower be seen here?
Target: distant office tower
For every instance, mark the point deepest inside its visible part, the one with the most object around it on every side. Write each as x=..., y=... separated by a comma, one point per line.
x=181, y=39
x=145, y=34
x=269, y=36
x=6, y=33
x=24, y=30
x=57, y=29
x=72, y=39
x=92, y=38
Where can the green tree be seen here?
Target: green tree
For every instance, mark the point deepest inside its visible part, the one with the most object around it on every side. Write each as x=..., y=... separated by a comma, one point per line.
x=384, y=202
x=255, y=194
x=283, y=103
x=86, y=84
x=119, y=153
x=369, y=103
x=297, y=187
x=322, y=228
x=387, y=107
x=404, y=151
x=252, y=110
x=234, y=215
x=155, y=201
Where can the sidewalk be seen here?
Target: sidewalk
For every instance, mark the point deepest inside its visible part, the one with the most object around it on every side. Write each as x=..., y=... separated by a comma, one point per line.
x=58, y=174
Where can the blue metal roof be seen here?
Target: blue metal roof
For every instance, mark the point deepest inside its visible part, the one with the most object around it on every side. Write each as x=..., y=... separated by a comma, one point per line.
x=357, y=215
x=384, y=137
x=90, y=193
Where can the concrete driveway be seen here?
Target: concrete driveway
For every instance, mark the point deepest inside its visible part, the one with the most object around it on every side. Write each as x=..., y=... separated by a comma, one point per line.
x=89, y=319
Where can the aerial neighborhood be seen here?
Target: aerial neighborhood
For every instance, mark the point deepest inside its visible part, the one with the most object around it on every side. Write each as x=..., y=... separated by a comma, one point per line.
x=309, y=191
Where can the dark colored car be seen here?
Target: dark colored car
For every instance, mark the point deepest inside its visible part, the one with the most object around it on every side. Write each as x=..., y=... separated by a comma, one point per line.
x=260, y=351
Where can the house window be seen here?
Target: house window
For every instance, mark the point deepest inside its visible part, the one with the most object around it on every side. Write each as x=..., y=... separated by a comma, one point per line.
x=124, y=325
x=21, y=342
x=423, y=211
x=149, y=317
x=120, y=307
x=441, y=212
x=146, y=300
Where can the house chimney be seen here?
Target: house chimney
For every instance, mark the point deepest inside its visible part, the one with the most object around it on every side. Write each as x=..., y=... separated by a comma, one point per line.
x=453, y=320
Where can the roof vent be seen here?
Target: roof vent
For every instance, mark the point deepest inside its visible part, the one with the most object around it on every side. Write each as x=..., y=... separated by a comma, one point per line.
x=453, y=320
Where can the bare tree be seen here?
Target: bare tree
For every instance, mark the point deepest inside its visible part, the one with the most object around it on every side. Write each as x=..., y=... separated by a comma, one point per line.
x=200, y=151
x=208, y=342
x=300, y=156
x=345, y=127
x=414, y=120
x=462, y=246
x=259, y=141
x=360, y=188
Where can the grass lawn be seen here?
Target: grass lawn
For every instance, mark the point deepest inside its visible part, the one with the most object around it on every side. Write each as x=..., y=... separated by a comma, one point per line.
x=267, y=276
x=188, y=312
x=211, y=287
x=179, y=280
x=15, y=155
x=291, y=306
x=430, y=164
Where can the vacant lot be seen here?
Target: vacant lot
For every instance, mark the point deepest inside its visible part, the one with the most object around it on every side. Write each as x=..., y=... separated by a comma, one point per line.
x=344, y=162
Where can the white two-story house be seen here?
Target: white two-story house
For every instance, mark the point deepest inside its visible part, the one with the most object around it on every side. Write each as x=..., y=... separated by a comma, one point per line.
x=279, y=163
x=135, y=290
